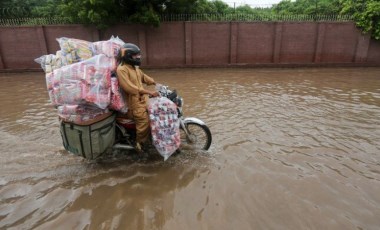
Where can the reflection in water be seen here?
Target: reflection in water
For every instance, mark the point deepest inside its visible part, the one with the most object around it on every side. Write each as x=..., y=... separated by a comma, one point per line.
x=292, y=149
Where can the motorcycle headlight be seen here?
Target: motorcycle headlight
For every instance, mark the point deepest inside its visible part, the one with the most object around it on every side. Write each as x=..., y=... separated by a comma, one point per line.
x=179, y=101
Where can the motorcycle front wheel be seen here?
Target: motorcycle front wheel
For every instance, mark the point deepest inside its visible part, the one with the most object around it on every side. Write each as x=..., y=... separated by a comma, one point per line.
x=198, y=138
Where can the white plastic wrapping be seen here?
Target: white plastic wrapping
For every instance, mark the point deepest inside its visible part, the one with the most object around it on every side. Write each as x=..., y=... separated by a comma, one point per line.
x=51, y=62
x=79, y=49
x=79, y=113
x=75, y=50
x=164, y=125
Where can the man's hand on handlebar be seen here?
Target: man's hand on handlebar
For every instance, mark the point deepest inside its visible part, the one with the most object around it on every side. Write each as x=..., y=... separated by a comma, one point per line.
x=154, y=94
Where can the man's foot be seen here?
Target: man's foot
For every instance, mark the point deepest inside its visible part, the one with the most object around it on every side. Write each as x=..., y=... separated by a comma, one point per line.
x=141, y=153
x=138, y=148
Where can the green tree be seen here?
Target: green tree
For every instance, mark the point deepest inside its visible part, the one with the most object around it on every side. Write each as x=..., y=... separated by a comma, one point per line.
x=244, y=9
x=366, y=14
x=221, y=7
x=309, y=7
x=195, y=7
x=28, y=8
x=98, y=12
x=180, y=6
x=142, y=11
x=46, y=8
x=212, y=7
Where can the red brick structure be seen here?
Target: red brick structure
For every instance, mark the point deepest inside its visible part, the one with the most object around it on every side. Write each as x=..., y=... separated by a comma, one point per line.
x=180, y=44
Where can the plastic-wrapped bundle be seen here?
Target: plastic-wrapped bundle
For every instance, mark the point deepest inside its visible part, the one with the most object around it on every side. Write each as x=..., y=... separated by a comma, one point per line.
x=51, y=62
x=117, y=40
x=46, y=62
x=49, y=80
x=110, y=48
x=75, y=50
x=65, y=58
x=164, y=125
x=118, y=102
x=86, y=82
x=49, y=85
x=69, y=92
x=79, y=113
x=69, y=72
x=98, y=95
x=79, y=49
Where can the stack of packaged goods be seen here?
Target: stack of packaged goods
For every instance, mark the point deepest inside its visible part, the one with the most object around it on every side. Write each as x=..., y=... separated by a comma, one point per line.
x=82, y=85
x=80, y=79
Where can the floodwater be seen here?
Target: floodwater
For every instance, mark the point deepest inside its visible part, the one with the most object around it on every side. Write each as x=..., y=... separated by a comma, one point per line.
x=292, y=149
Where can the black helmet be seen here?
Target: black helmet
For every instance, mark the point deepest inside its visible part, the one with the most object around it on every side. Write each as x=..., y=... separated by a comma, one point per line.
x=130, y=50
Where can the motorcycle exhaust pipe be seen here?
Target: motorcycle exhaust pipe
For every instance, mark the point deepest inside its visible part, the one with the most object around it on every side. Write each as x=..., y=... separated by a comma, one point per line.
x=121, y=146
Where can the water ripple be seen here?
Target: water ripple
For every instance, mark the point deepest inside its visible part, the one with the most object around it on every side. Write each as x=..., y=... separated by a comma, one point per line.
x=292, y=149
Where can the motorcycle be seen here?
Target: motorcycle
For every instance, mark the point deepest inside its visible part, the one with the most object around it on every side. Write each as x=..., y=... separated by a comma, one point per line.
x=110, y=133
x=194, y=133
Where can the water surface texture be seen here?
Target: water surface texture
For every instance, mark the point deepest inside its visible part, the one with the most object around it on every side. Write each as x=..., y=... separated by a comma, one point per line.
x=292, y=149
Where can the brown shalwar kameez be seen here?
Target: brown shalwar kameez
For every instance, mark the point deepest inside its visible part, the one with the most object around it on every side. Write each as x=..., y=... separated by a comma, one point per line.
x=131, y=80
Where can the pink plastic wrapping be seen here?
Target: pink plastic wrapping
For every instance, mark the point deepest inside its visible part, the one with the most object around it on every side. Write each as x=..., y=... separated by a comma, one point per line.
x=109, y=48
x=86, y=82
x=164, y=125
x=78, y=78
x=79, y=113
x=69, y=92
x=118, y=102
x=98, y=95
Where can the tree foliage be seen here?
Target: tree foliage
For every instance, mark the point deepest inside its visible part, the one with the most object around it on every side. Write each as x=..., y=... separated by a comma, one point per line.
x=103, y=13
x=308, y=7
x=366, y=13
x=98, y=12
x=27, y=8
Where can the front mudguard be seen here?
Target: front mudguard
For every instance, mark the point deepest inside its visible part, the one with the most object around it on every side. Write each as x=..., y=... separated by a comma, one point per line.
x=186, y=120
x=193, y=120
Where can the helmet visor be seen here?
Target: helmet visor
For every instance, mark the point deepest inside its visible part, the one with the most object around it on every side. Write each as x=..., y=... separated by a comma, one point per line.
x=136, y=56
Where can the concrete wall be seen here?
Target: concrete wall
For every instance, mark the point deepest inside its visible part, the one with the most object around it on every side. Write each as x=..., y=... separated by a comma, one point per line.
x=178, y=44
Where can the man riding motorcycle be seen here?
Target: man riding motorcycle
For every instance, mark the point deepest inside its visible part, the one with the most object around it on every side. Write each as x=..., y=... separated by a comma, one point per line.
x=131, y=80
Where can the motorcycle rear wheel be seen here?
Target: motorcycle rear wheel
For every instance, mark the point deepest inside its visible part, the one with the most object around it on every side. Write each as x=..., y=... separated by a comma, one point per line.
x=199, y=137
